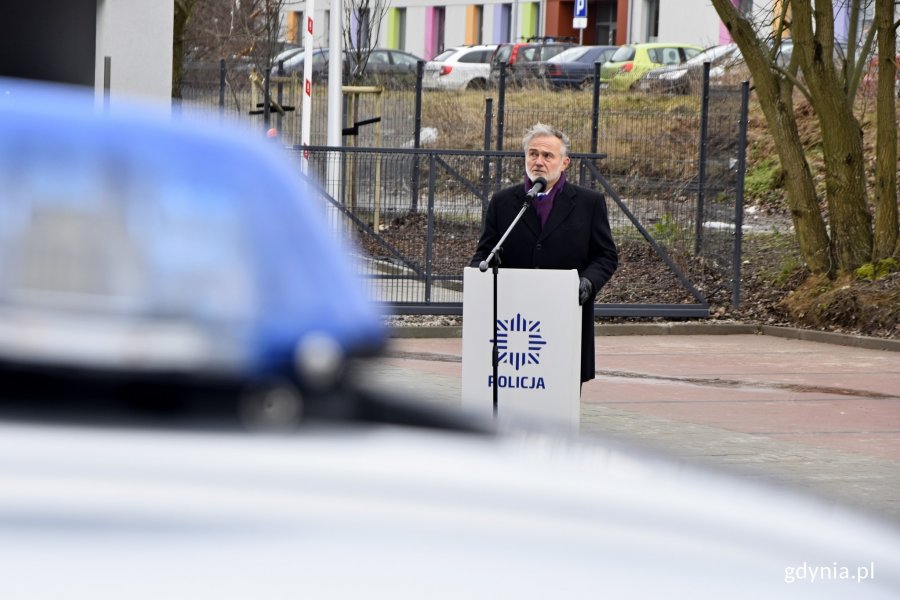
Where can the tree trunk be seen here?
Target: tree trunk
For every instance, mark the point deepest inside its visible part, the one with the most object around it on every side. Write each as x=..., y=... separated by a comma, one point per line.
x=845, y=184
x=182, y=14
x=775, y=95
x=886, y=221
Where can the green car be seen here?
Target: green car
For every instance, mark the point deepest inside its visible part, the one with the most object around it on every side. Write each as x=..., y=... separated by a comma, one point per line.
x=633, y=60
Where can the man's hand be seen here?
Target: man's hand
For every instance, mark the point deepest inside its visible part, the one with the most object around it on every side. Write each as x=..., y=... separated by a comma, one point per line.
x=585, y=290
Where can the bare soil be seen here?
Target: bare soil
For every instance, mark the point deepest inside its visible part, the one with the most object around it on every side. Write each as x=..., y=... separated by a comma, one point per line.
x=775, y=287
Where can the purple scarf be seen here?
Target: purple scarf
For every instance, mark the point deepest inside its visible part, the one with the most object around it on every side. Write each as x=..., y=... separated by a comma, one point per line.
x=543, y=203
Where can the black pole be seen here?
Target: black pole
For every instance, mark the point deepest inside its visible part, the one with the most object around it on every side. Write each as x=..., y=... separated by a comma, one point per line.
x=495, y=351
x=493, y=260
x=739, y=197
x=595, y=120
x=417, y=135
x=429, y=239
x=501, y=122
x=266, y=98
x=486, y=166
x=221, y=85
x=280, y=93
x=107, y=81
x=701, y=174
x=595, y=111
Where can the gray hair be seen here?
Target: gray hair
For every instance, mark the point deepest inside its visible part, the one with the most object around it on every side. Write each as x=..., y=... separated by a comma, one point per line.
x=541, y=130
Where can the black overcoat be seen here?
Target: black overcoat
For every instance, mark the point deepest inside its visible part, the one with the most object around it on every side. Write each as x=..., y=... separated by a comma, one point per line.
x=576, y=236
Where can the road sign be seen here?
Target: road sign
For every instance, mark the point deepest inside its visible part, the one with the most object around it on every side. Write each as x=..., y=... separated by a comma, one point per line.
x=580, y=19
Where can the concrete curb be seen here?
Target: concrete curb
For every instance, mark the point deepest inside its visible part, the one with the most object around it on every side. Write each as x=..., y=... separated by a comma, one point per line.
x=839, y=339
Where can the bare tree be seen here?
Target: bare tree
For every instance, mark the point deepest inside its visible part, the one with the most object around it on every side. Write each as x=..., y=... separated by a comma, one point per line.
x=243, y=32
x=362, y=22
x=827, y=78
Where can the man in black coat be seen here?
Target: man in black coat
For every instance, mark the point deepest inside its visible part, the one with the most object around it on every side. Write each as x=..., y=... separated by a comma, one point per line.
x=566, y=227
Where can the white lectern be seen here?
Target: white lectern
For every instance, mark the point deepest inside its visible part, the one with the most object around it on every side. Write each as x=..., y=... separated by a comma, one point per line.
x=539, y=344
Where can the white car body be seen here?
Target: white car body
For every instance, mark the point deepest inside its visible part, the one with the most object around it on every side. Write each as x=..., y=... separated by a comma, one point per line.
x=386, y=512
x=465, y=67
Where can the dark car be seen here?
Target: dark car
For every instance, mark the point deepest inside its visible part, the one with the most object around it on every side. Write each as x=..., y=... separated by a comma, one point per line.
x=383, y=66
x=573, y=67
x=687, y=77
x=516, y=55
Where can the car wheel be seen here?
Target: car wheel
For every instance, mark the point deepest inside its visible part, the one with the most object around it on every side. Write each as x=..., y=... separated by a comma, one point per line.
x=587, y=84
x=476, y=84
x=272, y=405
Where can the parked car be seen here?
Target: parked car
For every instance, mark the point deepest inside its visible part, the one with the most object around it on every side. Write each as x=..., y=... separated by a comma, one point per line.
x=384, y=66
x=515, y=55
x=573, y=67
x=464, y=67
x=688, y=77
x=144, y=252
x=631, y=61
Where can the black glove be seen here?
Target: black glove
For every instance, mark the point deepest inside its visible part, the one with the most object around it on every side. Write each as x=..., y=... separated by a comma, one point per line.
x=585, y=290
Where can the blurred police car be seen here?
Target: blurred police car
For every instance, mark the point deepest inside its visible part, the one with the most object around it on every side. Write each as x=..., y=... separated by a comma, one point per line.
x=145, y=251
x=137, y=250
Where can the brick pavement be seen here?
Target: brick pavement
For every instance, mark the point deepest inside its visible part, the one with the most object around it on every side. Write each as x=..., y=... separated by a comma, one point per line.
x=812, y=415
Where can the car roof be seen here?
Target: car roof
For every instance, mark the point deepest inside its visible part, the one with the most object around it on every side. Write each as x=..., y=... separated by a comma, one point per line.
x=150, y=159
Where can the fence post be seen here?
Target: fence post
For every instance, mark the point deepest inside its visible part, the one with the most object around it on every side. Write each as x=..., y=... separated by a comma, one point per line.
x=501, y=121
x=107, y=82
x=221, y=85
x=486, y=163
x=279, y=94
x=739, y=197
x=417, y=136
x=701, y=174
x=429, y=239
x=595, y=118
x=266, y=98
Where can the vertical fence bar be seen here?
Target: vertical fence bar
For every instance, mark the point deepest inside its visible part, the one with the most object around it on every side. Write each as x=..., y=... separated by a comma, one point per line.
x=107, y=81
x=595, y=119
x=266, y=98
x=501, y=122
x=221, y=86
x=486, y=161
x=279, y=94
x=429, y=239
x=701, y=171
x=739, y=198
x=417, y=137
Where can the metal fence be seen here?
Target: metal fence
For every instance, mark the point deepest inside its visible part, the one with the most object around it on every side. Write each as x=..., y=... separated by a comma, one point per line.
x=411, y=188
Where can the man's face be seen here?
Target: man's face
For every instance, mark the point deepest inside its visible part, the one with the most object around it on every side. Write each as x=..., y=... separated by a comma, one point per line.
x=543, y=158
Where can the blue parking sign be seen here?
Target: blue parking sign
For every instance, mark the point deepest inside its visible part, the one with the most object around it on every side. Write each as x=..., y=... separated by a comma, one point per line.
x=581, y=9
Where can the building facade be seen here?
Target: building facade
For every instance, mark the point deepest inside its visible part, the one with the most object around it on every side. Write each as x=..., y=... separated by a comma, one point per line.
x=426, y=29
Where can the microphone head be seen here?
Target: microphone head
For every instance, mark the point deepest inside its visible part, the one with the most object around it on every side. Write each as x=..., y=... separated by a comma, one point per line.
x=540, y=184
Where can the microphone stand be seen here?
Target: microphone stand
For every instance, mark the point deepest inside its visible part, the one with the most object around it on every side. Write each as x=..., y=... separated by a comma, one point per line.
x=493, y=260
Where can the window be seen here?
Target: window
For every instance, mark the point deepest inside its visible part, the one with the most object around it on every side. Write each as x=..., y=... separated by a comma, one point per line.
x=652, y=8
x=606, y=23
x=474, y=23
x=294, y=33
x=396, y=29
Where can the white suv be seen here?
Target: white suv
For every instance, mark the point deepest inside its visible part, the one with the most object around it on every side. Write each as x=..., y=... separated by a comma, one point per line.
x=464, y=67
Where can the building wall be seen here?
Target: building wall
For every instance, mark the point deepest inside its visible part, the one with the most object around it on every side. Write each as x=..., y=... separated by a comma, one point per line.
x=688, y=21
x=681, y=21
x=137, y=36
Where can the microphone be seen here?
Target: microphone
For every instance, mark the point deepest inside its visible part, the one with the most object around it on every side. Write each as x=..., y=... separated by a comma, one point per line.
x=539, y=185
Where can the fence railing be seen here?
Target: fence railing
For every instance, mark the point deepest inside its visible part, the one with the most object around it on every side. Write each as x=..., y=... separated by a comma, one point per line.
x=412, y=188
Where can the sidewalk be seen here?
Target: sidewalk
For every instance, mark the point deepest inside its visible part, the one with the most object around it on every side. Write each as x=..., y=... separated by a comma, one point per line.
x=813, y=415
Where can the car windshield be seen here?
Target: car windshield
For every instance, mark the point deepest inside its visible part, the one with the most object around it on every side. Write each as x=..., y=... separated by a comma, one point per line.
x=570, y=55
x=622, y=54
x=712, y=54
